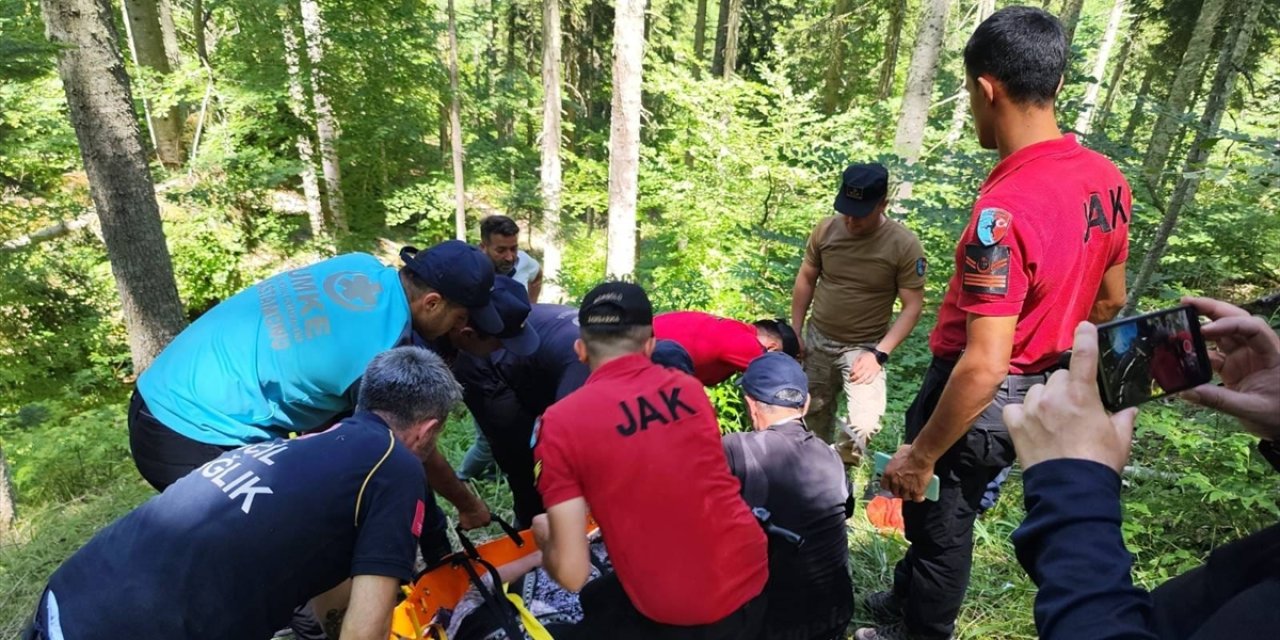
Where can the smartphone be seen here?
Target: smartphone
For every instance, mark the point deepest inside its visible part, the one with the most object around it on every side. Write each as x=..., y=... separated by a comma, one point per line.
x=882, y=460
x=1151, y=356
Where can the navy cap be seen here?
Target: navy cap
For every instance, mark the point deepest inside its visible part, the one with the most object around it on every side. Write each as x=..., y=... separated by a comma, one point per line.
x=671, y=355
x=776, y=378
x=462, y=274
x=511, y=300
x=862, y=187
x=618, y=304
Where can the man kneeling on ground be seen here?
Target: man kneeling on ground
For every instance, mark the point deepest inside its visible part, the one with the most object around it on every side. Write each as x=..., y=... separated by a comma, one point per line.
x=231, y=549
x=786, y=469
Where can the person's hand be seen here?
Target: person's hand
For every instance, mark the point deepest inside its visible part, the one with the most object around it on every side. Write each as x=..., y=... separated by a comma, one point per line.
x=1065, y=418
x=541, y=528
x=475, y=516
x=906, y=475
x=1247, y=358
x=865, y=368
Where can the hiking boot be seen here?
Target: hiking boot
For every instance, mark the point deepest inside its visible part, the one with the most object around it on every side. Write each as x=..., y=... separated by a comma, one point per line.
x=883, y=607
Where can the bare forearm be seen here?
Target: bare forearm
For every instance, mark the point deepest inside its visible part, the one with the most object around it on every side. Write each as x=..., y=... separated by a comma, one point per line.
x=444, y=481
x=368, y=617
x=902, y=327
x=801, y=298
x=969, y=390
x=1104, y=311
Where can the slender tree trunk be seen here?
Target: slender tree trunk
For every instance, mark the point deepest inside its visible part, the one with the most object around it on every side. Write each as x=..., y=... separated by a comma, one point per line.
x=1137, y=115
x=1186, y=82
x=624, y=137
x=892, y=42
x=302, y=142
x=8, y=501
x=550, y=174
x=1071, y=17
x=197, y=31
x=1235, y=48
x=833, y=78
x=700, y=33
x=101, y=111
x=1117, y=77
x=722, y=31
x=731, y=38
x=327, y=130
x=919, y=93
x=455, y=131
x=960, y=104
x=1085, y=116
x=145, y=22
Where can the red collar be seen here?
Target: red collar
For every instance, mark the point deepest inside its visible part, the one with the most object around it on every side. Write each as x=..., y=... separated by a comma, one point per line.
x=621, y=366
x=1010, y=165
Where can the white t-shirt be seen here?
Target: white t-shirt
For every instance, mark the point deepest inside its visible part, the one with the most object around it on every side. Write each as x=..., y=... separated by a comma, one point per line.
x=527, y=268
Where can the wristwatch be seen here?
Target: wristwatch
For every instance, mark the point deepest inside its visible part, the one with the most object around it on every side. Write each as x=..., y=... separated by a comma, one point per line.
x=881, y=357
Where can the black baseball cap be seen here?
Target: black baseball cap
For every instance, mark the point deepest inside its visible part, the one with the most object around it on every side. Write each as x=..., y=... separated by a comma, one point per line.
x=616, y=304
x=776, y=378
x=462, y=274
x=511, y=300
x=862, y=187
x=671, y=355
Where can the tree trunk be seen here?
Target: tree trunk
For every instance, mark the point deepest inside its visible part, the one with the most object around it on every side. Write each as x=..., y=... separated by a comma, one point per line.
x=732, y=31
x=722, y=31
x=455, y=131
x=1136, y=116
x=1235, y=48
x=147, y=41
x=624, y=137
x=550, y=174
x=1085, y=116
x=197, y=31
x=302, y=142
x=700, y=32
x=327, y=130
x=960, y=105
x=1071, y=17
x=889, y=68
x=1186, y=82
x=919, y=93
x=833, y=79
x=101, y=111
x=1117, y=76
x=8, y=502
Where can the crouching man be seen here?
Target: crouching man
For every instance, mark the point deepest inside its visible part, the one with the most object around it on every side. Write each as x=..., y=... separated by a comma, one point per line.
x=786, y=469
x=231, y=549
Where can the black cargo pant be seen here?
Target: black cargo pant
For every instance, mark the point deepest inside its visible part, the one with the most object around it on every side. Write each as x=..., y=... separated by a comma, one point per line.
x=609, y=613
x=932, y=578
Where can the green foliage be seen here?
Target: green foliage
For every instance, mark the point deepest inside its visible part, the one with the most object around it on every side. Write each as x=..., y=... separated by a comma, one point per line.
x=70, y=450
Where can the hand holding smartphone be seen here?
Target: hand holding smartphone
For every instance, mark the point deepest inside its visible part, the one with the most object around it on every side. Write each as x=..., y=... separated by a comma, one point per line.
x=882, y=461
x=1150, y=356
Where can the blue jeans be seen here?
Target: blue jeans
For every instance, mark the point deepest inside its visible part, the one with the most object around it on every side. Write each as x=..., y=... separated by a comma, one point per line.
x=479, y=459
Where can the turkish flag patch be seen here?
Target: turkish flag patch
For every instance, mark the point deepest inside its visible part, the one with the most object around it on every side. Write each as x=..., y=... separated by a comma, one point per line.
x=419, y=513
x=986, y=269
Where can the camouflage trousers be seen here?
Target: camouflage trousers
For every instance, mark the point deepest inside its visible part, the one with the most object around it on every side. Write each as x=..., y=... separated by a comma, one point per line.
x=828, y=363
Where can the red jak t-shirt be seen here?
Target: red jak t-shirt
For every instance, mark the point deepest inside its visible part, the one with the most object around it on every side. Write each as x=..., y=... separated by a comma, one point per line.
x=1049, y=221
x=720, y=347
x=641, y=444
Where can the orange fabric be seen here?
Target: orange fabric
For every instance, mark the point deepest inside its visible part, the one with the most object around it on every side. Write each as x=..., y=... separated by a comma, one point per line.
x=885, y=513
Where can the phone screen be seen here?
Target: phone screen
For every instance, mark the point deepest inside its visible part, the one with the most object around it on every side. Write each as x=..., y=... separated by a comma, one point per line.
x=1150, y=356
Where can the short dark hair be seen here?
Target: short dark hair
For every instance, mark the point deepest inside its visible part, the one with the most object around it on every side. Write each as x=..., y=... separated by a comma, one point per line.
x=408, y=385
x=605, y=340
x=499, y=224
x=1025, y=49
x=781, y=331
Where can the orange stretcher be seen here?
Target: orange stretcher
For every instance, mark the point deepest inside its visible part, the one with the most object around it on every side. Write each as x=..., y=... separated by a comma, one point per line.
x=443, y=585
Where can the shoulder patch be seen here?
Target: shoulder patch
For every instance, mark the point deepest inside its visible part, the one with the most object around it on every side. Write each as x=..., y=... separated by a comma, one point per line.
x=537, y=471
x=419, y=514
x=986, y=269
x=537, y=428
x=921, y=265
x=992, y=225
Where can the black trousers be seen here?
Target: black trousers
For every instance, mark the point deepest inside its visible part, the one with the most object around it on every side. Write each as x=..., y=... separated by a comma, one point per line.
x=931, y=580
x=609, y=613
x=1234, y=594
x=509, y=428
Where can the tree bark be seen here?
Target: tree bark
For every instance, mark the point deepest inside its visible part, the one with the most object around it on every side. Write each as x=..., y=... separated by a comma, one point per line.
x=889, y=68
x=732, y=31
x=1085, y=117
x=327, y=129
x=550, y=173
x=1071, y=18
x=960, y=106
x=700, y=32
x=919, y=93
x=624, y=137
x=302, y=142
x=833, y=78
x=722, y=30
x=150, y=46
x=1186, y=82
x=197, y=30
x=455, y=131
x=1117, y=76
x=1231, y=57
x=8, y=500
x=101, y=111
x=1136, y=116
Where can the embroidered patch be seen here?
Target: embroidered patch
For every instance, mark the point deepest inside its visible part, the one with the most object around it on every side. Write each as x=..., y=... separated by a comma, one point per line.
x=537, y=427
x=920, y=266
x=986, y=269
x=419, y=513
x=993, y=224
x=537, y=471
